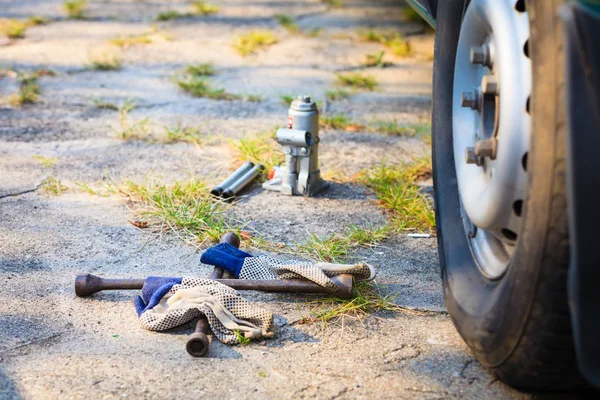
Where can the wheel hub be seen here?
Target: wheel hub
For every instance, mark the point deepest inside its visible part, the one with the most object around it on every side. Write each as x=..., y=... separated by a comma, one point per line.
x=491, y=127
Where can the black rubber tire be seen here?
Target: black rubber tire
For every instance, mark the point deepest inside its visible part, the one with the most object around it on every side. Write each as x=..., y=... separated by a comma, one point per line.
x=519, y=325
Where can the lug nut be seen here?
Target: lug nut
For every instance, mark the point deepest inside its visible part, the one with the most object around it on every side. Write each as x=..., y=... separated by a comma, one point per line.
x=486, y=148
x=470, y=99
x=490, y=85
x=481, y=55
x=471, y=157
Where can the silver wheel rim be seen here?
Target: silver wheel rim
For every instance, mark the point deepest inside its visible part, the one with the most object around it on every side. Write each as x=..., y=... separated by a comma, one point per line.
x=491, y=128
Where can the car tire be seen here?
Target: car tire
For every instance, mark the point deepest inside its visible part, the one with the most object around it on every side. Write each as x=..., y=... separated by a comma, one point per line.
x=518, y=325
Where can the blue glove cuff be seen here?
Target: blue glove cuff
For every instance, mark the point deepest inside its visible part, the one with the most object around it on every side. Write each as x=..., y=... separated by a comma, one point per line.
x=225, y=256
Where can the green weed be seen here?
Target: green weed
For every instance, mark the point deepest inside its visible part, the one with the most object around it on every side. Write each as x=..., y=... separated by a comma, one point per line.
x=394, y=41
x=253, y=41
x=130, y=130
x=242, y=340
x=37, y=20
x=86, y=188
x=315, y=32
x=53, y=186
x=396, y=188
x=393, y=128
x=333, y=3
x=13, y=28
x=337, y=94
x=180, y=133
x=204, y=8
x=105, y=61
x=260, y=148
x=47, y=162
x=338, y=121
x=335, y=247
x=357, y=80
x=368, y=298
x=288, y=23
x=199, y=70
x=171, y=15
x=29, y=91
x=132, y=40
x=105, y=105
x=75, y=8
x=253, y=98
x=287, y=99
x=200, y=87
x=375, y=60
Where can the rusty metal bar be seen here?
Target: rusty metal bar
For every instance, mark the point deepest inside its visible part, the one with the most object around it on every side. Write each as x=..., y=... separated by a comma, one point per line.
x=88, y=284
x=197, y=345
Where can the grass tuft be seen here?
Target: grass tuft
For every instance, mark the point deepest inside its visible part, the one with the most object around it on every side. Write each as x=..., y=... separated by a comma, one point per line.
x=260, y=148
x=368, y=298
x=396, y=188
x=180, y=133
x=335, y=247
x=13, y=28
x=132, y=40
x=29, y=91
x=253, y=41
x=333, y=3
x=171, y=15
x=287, y=99
x=183, y=207
x=105, y=61
x=53, y=186
x=288, y=23
x=357, y=80
x=242, y=340
x=47, y=162
x=199, y=70
x=334, y=121
x=204, y=8
x=394, y=41
x=337, y=94
x=393, y=128
x=375, y=60
x=128, y=130
x=75, y=9
x=200, y=87
x=105, y=105
x=37, y=20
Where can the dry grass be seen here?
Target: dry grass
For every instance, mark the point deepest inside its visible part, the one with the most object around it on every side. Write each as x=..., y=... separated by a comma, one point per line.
x=357, y=80
x=398, y=192
x=37, y=20
x=75, y=9
x=13, y=28
x=253, y=41
x=333, y=3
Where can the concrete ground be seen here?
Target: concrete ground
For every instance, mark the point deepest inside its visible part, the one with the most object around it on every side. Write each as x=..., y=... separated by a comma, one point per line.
x=54, y=345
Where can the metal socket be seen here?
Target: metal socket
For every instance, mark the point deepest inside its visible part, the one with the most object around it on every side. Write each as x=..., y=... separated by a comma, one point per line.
x=237, y=174
x=242, y=182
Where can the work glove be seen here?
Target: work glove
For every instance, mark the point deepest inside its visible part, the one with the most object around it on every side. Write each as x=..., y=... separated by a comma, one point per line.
x=246, y=266
x=169, y=302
